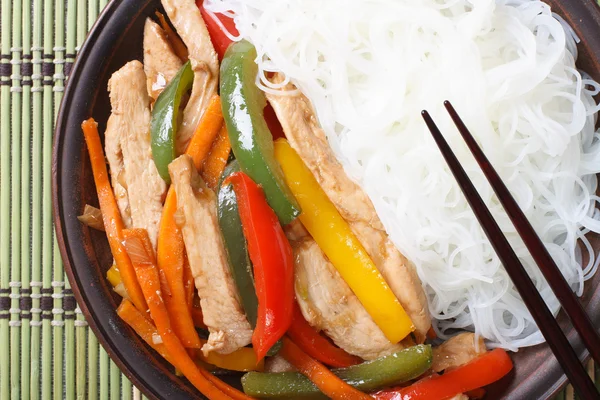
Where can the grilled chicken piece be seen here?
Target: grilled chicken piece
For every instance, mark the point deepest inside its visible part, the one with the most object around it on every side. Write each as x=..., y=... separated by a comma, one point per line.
x=328, y=304
x=160, y=61
x=457, y=351
x=139, y=189
x=187, y=20
x=306, y=136
x=223, y=314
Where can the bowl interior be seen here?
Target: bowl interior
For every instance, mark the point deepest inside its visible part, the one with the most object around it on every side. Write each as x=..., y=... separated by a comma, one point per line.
x=117, y=38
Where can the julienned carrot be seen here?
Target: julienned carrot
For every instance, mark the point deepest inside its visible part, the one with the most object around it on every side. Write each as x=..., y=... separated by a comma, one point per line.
x=171, y=261
x=140, y=251
x=111, y=215
x=171, y=248
x=206, y=132
x=142, y=326
x=317, y=346
x=147, y=331
x=324, y=379
x=225, y=388
x=176, y=43
x=217, y=159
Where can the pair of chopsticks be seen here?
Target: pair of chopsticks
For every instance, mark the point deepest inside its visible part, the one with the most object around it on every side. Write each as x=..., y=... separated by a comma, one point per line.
x=556, y=339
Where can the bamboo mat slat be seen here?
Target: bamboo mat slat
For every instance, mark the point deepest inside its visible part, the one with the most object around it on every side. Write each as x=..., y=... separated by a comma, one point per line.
x=47, y=350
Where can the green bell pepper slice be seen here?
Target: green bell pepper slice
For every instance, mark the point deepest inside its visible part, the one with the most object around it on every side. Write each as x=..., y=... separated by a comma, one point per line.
x=163, y=126
x=235, y=244
x=394, y=369
x=251, y=140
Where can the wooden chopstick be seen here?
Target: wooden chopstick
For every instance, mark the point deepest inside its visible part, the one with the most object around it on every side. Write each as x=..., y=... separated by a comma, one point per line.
x=544, y=319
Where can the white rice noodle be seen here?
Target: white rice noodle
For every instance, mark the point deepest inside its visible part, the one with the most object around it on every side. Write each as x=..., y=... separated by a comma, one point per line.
x=508, y=66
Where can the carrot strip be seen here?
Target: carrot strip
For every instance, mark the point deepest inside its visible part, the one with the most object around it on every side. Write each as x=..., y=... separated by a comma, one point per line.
x=206, y=132
x=176, y=43
x=217, y=159
x=225, y=388
x=141, y=253
x=111, y=215
x=142, y=326
x=171, y=248
x=323, y=378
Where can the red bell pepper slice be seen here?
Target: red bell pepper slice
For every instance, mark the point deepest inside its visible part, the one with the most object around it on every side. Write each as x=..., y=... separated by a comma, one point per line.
x=482, y=371
x=272, y=257
x=317, y=346
x=221, y=42
x=219, y=39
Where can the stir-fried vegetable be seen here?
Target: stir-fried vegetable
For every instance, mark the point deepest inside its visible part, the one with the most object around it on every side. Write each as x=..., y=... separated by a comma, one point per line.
x=216, y=28
x=225, y=388
x=235, y=244
x=215, y=163
x=163, y=127
x=111, y=214
x=140, y=251
x=324, y=379
x=92, y=217
x=251, y=140
x=142, y=326
x=482, y=371
x=271, y=255
x=243, y=359
x=334, y=236
x=171, y=248
x=315, y=345
x=396, y=368
x=113, y=275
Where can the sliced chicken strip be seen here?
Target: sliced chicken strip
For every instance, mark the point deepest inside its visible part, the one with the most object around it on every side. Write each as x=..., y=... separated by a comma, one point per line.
x=187, y=20
x=223, y=315
x=302, y=129
x=129, y=153
x=456, y=351
x=328, y=304
x=160, y=61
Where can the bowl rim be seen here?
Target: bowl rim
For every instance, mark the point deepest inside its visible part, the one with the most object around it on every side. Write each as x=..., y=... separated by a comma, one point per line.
x=579, y=14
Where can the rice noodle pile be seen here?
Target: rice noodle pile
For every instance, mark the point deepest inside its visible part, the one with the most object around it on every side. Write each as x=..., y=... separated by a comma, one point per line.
x=508, y=66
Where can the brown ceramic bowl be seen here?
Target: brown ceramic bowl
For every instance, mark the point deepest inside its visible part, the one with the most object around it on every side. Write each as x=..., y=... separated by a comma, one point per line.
x=117, y=38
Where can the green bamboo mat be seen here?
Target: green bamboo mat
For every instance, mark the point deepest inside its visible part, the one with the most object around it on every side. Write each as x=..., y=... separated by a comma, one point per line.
x=47, y=350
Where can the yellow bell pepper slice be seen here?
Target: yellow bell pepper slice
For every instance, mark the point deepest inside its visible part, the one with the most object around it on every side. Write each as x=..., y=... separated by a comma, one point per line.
x=113, y=275
x=243, y=359
x=334, y=236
